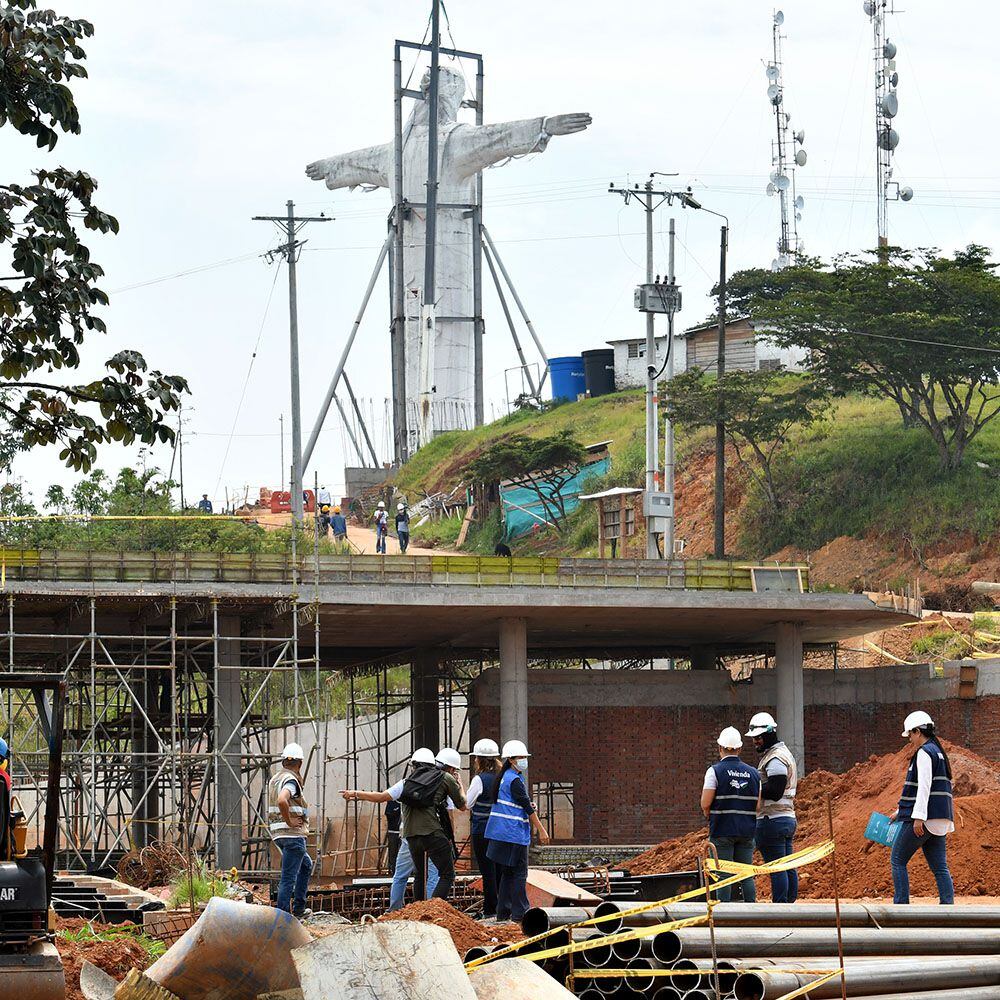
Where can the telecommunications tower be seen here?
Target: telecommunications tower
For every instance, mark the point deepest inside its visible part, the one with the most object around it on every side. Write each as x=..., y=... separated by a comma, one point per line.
x=886, y=108
x=787, y=153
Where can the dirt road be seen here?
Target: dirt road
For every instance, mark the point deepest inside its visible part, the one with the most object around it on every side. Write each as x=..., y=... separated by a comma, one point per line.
x=362, y=539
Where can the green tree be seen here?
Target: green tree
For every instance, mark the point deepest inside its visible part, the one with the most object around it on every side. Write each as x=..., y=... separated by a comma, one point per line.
x=917, y=327
x=50, y=307
x=542, y=465
x=761, y=407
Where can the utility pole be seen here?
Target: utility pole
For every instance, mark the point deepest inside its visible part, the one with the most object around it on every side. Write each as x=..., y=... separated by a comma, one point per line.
x=651, y=298
x=720, y=418
x=281, y=435
x=668, y=427
x=289, y=225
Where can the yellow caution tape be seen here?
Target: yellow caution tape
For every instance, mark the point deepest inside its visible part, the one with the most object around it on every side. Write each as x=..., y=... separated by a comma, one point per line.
x=803, y=990
x=632, y=934
x=805, y=856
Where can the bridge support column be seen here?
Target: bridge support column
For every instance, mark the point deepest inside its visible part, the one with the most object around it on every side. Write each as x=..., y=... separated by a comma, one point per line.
x=790, y=699
x=424, y=699
x=513, y=679
x=229, y=745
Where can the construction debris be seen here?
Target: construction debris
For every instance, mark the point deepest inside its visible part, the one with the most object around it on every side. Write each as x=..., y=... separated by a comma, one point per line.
x=404, y=960
x=515, y=979
x=116, y=958
x=234, y=952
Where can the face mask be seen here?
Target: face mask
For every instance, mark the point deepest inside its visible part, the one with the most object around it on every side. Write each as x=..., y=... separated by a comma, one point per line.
x=521, y=763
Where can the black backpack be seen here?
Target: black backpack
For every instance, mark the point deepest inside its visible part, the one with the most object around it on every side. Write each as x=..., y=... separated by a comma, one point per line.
x=420, y=788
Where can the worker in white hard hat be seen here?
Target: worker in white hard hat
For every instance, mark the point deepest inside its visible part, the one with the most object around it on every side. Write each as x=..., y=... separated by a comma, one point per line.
x=508, y=830
x=288, y=820
x=381, y=518
x=479, y=798
x=402, y=527
x=926, y=810
x=400, y=859
x=729, y=801
x=776, y=821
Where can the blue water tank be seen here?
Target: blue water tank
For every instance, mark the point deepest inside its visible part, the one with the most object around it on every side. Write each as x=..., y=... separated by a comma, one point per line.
x=567, y=378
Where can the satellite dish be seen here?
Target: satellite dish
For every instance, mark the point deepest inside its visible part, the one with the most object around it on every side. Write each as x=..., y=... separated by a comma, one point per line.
x=888, y=139
x=772, y=71
x=782, y=183
x=800, y=157
x=890, y=105
x=770, y=189
x=905, y=193
x=800, y=136
x=800, y=202
x=788, y=117
x=779, y=18
x=893, y=79
x=798, y=216
x=868, y=7
x=889, y=49
x=773, y=92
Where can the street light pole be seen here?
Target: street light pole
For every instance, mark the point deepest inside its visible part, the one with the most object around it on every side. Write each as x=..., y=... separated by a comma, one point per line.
x=720, y=416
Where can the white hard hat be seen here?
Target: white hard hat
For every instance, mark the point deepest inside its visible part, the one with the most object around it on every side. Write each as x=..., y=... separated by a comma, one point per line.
x=292, y=751
x=381, y=504
x=422, y=755
x=730, y=738
x=762, y=722
x=514, y=748
x=914, y=721
x=449, y=757
x=486, y=748
x=401, y=506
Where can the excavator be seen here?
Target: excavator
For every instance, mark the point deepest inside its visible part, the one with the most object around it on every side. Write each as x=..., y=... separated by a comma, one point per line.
x=30, y=967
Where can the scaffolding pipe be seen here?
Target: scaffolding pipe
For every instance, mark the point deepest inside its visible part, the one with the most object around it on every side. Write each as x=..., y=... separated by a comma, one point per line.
x=759, y=942
x=910, y=974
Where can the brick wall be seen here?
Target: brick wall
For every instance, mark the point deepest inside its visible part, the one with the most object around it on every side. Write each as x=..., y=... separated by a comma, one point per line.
x=637, y=768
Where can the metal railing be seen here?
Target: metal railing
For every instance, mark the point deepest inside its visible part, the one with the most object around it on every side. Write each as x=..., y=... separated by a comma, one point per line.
x=235, y=567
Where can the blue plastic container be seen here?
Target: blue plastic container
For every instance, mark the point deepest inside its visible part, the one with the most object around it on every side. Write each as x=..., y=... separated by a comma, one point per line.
x=881, y=829
x=567, y=378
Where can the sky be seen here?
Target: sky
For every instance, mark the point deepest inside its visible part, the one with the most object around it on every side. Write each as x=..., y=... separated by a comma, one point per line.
x=199, y=115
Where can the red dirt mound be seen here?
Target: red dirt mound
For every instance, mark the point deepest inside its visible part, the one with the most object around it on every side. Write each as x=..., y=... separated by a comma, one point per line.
x=115, y=957
x=464, y=931
x=863, y=867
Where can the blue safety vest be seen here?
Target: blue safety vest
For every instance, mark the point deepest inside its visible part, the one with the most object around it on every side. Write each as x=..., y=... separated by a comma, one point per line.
x=484, y=804
x=939, y=805
x=508, y=821
x=733, y=812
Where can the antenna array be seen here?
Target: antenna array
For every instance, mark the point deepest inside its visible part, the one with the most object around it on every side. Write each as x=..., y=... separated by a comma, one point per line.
x=886, y=109
x=787, y=153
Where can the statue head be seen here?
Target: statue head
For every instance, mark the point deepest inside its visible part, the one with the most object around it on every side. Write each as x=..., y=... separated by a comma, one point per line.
x=451, y=91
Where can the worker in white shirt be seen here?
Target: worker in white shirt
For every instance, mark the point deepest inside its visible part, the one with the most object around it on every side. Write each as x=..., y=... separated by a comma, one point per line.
x=925, y=809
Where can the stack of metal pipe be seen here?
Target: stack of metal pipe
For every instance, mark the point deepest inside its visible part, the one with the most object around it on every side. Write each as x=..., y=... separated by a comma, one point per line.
x=758, y=951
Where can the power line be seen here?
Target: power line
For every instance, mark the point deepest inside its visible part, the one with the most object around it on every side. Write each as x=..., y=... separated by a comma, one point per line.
x=246, y=382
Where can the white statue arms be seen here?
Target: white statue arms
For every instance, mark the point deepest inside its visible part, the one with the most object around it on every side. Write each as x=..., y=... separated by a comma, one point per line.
x=475, y=147
x=361, y=166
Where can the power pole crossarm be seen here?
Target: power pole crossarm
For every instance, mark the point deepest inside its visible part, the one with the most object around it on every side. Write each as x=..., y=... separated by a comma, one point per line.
x=289, y=225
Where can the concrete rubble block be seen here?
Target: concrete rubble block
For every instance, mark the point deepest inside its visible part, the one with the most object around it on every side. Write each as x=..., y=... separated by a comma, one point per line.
x=95, y=983
x=396, y=960
x=515, y=979
x=234, y=951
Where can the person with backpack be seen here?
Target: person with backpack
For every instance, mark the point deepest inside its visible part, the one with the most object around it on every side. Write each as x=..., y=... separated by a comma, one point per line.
x=926, y=811
x=426, y=824
x=479, y=798
x=508, y=830
x=400, y=860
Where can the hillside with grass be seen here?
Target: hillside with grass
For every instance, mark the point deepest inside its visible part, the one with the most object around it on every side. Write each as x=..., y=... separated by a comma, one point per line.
x=864, y=499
